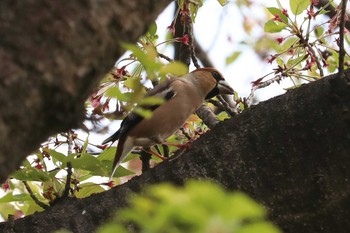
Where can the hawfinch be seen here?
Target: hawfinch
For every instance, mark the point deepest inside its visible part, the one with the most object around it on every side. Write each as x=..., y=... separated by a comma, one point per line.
x=182, y=95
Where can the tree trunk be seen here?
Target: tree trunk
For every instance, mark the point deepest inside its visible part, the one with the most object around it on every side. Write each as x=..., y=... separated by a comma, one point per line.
x=290, y=153
x=52, y=55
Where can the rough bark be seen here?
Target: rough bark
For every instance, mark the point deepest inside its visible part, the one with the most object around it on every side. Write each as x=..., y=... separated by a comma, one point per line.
x=52, y=54
x=290, y=153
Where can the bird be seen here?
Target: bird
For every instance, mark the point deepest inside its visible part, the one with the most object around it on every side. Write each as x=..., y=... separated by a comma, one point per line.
x=182, y=97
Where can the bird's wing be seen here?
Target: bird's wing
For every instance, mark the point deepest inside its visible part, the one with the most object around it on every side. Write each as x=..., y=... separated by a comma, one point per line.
x=163, y=90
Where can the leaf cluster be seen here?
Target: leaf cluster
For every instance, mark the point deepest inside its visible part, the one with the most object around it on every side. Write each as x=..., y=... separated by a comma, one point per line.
x=197, y=207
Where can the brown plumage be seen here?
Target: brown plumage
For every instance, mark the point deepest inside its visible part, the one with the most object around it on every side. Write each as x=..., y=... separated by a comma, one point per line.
x=183, y=96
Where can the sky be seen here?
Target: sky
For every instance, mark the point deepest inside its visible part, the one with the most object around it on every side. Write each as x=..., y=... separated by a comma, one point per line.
x=213, y=26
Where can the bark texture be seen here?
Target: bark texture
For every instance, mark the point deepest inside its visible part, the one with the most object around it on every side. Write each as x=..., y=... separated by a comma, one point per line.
x=290, y=153
x=52, y=55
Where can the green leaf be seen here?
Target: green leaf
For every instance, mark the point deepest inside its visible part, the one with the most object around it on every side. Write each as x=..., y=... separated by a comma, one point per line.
x=333, y=62
x=53, y=173
x=87, y=189
x=145, y=113
x=31, y=174
x=274, y=26
x=146, y=56
x=319, y=33
x=30, y=207
x=323, y=11
x=133, y=82
x=114, y=92
x=85, y=162
x=222, y=116
x=86, y=143
x=181, y=3
x=7, y=209
x=192, y=208
x=27, y=164
x=151, y=100
x=193, y=7
x=56, y=155
x=107, y=154
x=111, y=228
x=295, y=61
x=276, y=11
x=298, y=6
x=106, y=158
x=121, y=172
x=245, y=207
x=152, y=29
x=233, y=57
x=288, y=43
x=347, y=39
x=279, y=61
x=173, y=68
x=223, y=2
x=10, y=197
x=63, y=231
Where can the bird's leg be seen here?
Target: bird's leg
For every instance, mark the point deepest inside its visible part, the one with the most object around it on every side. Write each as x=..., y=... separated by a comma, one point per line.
x=157, y=140
x=154, y=153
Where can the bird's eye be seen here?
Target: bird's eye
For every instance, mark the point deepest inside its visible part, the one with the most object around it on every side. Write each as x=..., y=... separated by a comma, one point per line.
x=216, y=75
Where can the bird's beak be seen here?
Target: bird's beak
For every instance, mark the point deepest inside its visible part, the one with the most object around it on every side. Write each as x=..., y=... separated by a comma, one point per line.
x=225, y=88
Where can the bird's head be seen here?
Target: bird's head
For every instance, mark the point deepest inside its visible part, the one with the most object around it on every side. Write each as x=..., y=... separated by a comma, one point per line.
x=212, y=82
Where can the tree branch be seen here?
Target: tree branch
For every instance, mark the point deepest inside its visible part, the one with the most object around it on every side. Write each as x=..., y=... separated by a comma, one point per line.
x=35, y=199
x=341, y=39
x=283, y=152
x=331, y=11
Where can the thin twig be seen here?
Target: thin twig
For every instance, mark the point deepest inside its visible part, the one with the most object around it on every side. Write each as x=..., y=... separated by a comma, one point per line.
x=319, y=66
x=222, y=104
x=216, y=103
x=165, y=57
x=277, y=78
x=35, y=199
x=331, y=11
x=68, y=180
x=70, y=142
x=341, y=38
x=191, y=42
x=231, y=111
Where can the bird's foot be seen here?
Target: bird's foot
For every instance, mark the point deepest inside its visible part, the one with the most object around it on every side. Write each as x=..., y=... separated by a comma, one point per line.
x=155, y=154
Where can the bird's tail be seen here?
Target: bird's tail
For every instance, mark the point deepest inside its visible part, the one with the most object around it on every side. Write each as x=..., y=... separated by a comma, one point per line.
x=114, y=169
x=112, y=138
x=125, y=145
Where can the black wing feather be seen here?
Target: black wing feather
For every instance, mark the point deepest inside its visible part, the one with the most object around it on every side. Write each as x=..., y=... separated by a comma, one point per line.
x=131, y=120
